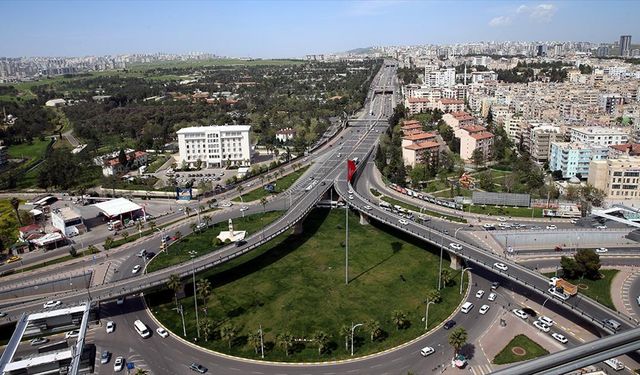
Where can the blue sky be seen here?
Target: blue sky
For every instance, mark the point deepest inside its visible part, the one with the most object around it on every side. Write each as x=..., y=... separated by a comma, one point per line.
x=295, y=28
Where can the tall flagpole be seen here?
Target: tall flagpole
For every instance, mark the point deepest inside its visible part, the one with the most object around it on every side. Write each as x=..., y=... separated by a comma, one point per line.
x=346, y=234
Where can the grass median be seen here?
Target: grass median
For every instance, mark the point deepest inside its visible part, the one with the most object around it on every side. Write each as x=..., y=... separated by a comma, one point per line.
x=505, y=211
x=205, y=241
x=520, y=348
x=281, y=184
x=294, y=286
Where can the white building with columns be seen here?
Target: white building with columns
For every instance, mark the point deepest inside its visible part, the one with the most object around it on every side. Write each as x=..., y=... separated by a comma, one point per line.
x=215, y=146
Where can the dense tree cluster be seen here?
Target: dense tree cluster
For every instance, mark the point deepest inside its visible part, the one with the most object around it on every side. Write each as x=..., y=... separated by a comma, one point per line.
x=585, y=263
x=526, y=72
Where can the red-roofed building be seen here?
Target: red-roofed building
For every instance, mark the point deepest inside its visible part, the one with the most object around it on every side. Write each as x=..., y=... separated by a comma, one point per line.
x=111, y=165
x=630, y=149
x=417, y=105
x=410, y=123
x=450, y=105
x=425, y=152
x=458, y=119
x=29, y=232
x=473, y=137
x=417, y=138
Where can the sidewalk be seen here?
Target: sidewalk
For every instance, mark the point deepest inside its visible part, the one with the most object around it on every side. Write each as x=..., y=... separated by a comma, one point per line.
x=620, y=286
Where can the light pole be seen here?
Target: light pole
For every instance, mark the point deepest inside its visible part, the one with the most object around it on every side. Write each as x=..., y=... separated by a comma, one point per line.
x=184, y=328
x=455, y=234
x=462, y=277
x=261, y=343
x=353, y=328
x=426, y=315
x=440, y=267
x=542, y=309
x=193, y=254
x=346, y=244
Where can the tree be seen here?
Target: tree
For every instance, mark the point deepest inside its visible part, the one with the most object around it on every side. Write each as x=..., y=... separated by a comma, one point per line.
x=122, y=158
x=152, y=225
x=433, y=295
x=477, y=157
x=72, y=251
x=322, y=340
x=92, y=249
x=345, y=331
x=174, y=284
x=108, y=243
x=569, y=267
x=253, y=340
x=207, y=328
x=228, y=332
x=457, y=339
x=141, y=371
x=194, y=227
x=588, y=262
x=399, y=318
x=373, y=327
x=15, y=203
x=284, y=341
x=124, y=234
x=485, y=180
x=446, y=277
x=203, y=288
x=263, y=202
x=418, y=173
x=572, y=193
x=240, y=189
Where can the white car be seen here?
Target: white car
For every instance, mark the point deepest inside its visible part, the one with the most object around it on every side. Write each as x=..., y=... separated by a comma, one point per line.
x=111, y=326
x=574, y=221
x=403, y=222
x=244, y=208
x=350, y=196
x=162, y=332
x=559, y=337
x=118, y=365
x=136, y=269
x=562, y=296
x=483, y=310
x=504, y=225
x=226, y=204
x=520, y=314
x=72, y=334
x=50, y=304
x=479, y=293
x=492, y=297
x=546, y=320
x=552, y=227
x=501, y=219
x=501, y=266
x=367, y=208
x=601, y=250
x=455, y=246
x=541, y=326
x=601, y=227
x=427, y=351
x=488, y=226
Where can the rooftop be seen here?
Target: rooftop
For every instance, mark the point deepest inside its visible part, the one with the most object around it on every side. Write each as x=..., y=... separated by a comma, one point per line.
x=116, y=207
x=599, y=130
x=419, y=136
x=67, y=213
x=202, y=129
x=482, y=135
x=422, y=145
x=632, y=149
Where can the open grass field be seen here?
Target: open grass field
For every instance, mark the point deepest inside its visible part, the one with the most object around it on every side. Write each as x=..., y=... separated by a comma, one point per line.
x=296, y=284
x=205, y=241
x=35, y=150
x=531, y=348
x=599, y=290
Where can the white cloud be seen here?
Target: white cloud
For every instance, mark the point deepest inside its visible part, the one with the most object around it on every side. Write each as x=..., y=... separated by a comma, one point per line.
x=543, y=12
x=500, y=21
x=522, y=9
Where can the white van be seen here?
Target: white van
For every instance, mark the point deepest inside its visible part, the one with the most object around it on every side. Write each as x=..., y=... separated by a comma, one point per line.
x=142, y=329
x=466, y=307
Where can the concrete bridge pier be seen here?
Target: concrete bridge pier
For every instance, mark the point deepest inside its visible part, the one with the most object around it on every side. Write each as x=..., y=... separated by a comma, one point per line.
x=364, y=219
x=297, y=227
x=456, y=261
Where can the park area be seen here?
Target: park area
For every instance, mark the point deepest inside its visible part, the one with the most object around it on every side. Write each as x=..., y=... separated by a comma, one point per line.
x=294, y=288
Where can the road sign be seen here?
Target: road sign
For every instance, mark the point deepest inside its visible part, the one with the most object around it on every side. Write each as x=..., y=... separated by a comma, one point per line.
x=130, y=366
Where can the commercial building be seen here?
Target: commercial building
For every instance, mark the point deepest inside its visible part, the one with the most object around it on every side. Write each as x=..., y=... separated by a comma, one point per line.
x=67, y=221
x=111, y=165
x=618, y=178
x=573, y=158
x=120, y=210
x=625, y=45
x=215, y=146
x=541, y=138
x=599, y=135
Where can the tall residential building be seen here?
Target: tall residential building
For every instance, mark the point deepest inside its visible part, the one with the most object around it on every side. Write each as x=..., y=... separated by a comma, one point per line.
x=215, y=146
x=625, y=45
x=602, y=51
x=440, y=78
x=618, y=178
x=541, y=139
x=599, y=136
x=573, y=158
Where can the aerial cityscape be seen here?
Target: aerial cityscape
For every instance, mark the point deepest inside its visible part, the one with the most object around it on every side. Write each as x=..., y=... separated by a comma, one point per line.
x=273, y=187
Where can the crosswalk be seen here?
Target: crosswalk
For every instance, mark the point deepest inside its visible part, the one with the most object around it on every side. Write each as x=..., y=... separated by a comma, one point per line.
x=481, y=369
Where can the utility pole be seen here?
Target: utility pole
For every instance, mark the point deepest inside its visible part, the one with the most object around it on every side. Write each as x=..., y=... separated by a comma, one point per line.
x=261, y=343
x=346, y=243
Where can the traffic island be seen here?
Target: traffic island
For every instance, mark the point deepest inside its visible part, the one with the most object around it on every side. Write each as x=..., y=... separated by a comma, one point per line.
x=291, y=294
x=520, y=348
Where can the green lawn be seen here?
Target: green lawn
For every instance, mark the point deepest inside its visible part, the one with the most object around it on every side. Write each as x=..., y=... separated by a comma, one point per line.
x=205, y=241
x=296, y=284
x=599, y=290
x=411, y=207
x=375, y=192
x=282, y=184
x=157, y=163
x=533, y=350
x=35, y=150
x=504, y=211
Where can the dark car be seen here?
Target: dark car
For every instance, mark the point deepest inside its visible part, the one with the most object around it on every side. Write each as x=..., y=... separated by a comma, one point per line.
x=241, y=243
x=495, y=285
x=198, y=368
x=150, y=255
x=449, y=324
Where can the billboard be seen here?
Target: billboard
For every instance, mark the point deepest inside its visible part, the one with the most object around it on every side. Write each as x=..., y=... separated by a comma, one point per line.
x=183, y=194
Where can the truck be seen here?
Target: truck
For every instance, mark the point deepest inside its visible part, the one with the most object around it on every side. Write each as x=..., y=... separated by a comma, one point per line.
x=564, y=285
x=615, y=364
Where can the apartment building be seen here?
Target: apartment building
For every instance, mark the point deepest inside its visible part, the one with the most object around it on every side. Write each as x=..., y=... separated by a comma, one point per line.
x=215, y=146
x=423, y=147
x=541, y=139
x=458, y=119
x=573, y=158
x=619, y=178
x=599, y=135
x=625, y=149
x=411, y=127
x=440, y=78
x=473, y=137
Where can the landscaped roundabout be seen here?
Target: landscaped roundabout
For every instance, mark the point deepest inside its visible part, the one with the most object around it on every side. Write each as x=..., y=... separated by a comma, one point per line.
x=294, y=289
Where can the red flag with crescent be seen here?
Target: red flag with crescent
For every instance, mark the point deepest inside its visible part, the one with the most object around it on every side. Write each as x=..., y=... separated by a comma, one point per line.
x=351, y=169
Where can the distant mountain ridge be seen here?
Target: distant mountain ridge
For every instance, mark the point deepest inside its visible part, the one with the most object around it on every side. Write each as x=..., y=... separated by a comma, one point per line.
x=360, y=51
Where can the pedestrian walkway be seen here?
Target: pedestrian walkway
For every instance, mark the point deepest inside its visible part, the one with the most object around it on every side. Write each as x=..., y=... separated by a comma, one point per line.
x=620, y=291
x=481, y=369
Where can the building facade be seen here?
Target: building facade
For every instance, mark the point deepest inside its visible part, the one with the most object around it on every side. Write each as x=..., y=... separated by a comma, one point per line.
x=215, y=146
x=618, y=178
x=541, y=138
x=572, y=158
x=599, y=135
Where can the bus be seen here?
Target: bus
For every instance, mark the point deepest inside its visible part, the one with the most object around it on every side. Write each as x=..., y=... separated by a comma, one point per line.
x=142, y=329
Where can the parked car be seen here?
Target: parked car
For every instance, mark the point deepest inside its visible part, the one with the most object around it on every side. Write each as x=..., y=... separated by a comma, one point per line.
x=50, y=304
x=118, y=365
x=541, y=326
x=492, y=297
x=111, y=326
x=13, y=258
x=39, y=341
x=520, y=314
x=546, y=320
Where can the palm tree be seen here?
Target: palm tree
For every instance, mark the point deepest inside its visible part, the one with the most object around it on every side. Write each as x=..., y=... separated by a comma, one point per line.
x=194, y=227
x=433, y=295
x=446, y=277
x=141, y=371
x=207, y=328
x=152, y=225
x=92, y=249
x=124, y=235
x=174, y=284
x=228, y=332
x=187, y=210
x=15, y=203
x=374, y=328
x=345, y=331
x=285, y=341
x=206, y=219
x=240, y=189
x=398, y=318
x=108, y=242
x=203, y=287
x=457, y=339
x=253, y=339
x=322, y=339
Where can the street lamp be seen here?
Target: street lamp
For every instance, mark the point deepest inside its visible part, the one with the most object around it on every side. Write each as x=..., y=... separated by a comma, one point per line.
x=462, y=276
x=455, y=234
x=261, y=343
x=426, y=315
x=193, y=254
x=440, y=267
x=353, y=328
x=184, y=328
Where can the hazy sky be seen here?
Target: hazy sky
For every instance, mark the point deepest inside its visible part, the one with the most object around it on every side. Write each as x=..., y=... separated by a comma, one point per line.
x=295, y=28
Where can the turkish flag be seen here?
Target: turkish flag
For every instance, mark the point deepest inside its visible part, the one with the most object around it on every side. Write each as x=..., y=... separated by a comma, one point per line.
x=351, y=169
